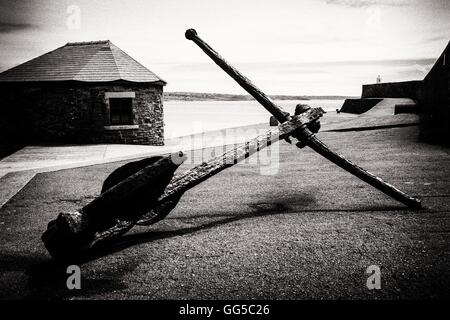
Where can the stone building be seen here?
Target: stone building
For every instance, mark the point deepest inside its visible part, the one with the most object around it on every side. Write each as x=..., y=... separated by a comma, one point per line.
x=83, y=92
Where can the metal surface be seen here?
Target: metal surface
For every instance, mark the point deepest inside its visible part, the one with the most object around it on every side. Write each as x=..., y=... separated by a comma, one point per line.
x=305, y=135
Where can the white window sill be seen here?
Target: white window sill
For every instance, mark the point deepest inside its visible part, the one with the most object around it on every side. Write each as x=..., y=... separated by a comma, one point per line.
x=124, y=127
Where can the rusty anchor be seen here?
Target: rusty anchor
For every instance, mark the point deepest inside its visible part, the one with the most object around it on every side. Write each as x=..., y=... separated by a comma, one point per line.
x=312, y=141
x=144, y=192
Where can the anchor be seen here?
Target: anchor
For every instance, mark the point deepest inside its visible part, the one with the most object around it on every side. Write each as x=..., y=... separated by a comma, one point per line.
x=144, y=192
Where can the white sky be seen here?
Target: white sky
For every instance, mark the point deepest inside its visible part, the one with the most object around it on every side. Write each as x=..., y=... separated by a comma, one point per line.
x=315, y=47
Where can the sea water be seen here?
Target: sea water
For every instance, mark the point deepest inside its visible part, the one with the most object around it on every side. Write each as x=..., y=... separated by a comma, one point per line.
x=188, y=117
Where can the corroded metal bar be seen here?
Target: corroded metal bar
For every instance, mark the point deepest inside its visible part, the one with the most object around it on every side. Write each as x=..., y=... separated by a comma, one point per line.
x=149, y=194
x=304, y=135
x=187, y=180
x=363, y=174
x=244, y=82
x=111, y=214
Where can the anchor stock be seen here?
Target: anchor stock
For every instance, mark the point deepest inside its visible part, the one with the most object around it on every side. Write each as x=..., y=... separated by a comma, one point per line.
x=302, y=135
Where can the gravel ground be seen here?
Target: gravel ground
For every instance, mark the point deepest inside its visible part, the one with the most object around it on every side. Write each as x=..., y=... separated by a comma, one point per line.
x=309, y=231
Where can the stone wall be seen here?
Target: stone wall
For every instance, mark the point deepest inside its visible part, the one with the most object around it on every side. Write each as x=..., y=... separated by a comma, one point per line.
x=358, y=106
x=436, y=92
x=405, y=89
x=78, y=113
x=432, y=95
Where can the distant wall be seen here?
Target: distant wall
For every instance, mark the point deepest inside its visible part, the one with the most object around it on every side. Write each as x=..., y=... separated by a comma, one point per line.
x=406, y=89
x=436, y=93
x=432, y=95
x=358, y=106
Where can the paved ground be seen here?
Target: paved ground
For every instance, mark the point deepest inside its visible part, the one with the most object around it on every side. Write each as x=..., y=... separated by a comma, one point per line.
x=380, y=116
x=17, y=169
x=308, y=231
x=387, y=106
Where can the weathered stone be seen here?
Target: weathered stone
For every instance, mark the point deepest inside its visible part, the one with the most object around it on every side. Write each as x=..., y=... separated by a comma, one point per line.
x=78, y=113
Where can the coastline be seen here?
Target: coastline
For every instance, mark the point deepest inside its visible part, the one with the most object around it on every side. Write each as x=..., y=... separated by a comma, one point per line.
x=201, y=96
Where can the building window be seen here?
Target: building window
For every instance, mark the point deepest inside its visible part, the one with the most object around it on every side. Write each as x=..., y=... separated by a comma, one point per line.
x=121, y=111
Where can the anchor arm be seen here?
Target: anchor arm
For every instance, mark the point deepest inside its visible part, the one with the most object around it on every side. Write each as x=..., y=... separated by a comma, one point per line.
x=243, y=81
x=147, y=195
x=187, y=180
x=305, y=136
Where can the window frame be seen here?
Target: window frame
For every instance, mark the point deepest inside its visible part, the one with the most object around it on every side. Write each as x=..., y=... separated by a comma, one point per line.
x=119, y=95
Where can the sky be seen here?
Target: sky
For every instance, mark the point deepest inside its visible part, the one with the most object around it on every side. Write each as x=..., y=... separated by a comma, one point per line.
x=297, y=47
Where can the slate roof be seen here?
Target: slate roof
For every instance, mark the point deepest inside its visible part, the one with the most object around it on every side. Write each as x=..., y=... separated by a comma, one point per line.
x=97, y=61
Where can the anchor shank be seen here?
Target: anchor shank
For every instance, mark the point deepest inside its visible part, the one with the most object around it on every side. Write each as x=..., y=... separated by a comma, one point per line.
x=243, y=81
x=187, y=180
x=312, y=141
x=362, y=174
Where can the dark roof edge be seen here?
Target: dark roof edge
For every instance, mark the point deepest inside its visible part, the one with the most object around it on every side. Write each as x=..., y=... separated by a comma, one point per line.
x=158, y=82
x=162, y=82
x=87, y=43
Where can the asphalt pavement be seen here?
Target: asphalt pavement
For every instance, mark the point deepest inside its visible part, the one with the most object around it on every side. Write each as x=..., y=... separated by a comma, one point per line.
x=293, y=226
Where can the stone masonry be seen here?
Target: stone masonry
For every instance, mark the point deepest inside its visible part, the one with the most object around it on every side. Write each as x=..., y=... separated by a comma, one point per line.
x=71, y=112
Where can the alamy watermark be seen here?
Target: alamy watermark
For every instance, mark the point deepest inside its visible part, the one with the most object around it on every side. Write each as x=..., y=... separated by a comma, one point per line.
x=205, y=146
x=74, y=279
x=374, y=279
x=73, y=20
